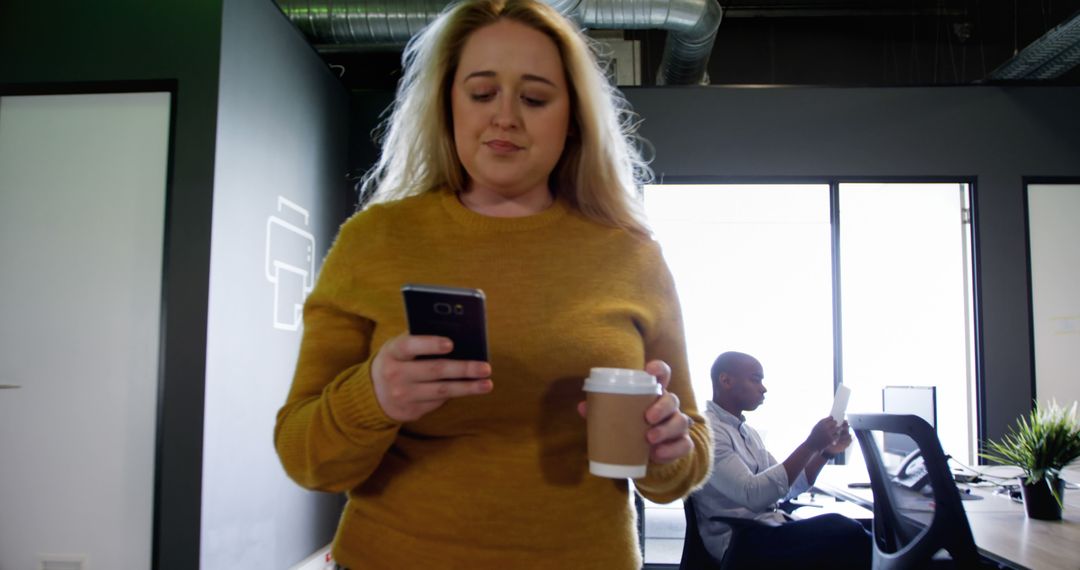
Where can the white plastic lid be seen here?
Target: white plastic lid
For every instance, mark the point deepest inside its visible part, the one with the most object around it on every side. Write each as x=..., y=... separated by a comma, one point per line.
x=621, y=381
x=617, y=471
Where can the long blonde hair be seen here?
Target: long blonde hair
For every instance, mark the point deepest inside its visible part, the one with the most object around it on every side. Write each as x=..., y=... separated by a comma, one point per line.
x=601, y=168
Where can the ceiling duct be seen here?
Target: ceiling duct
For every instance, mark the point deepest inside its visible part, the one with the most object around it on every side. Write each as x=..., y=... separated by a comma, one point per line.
x=341, y=25
x=1048, y=57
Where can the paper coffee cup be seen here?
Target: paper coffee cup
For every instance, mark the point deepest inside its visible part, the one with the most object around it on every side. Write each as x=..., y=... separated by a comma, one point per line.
x=617, y=399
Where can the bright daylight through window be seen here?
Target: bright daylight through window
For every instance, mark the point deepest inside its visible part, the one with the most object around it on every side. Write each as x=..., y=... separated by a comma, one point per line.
x=753, y=265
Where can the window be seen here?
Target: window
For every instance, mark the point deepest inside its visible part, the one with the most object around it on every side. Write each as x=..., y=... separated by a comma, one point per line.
x=906, y=300
x=754, y=268
x=752, y=265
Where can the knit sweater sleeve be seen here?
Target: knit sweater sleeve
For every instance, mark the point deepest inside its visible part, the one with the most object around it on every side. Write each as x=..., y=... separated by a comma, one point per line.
x=331, y=434
x=665, y=340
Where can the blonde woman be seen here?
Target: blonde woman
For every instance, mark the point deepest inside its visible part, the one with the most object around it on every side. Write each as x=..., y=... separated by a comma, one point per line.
x=506, y=165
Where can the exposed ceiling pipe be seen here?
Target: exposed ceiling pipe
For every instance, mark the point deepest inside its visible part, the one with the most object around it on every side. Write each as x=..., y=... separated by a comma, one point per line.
x=340, y=25
x=1053, y=54
x=691, y=27
x=818, y=11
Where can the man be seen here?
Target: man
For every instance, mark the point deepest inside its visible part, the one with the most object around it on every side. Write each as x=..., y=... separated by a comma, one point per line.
x=736, y=510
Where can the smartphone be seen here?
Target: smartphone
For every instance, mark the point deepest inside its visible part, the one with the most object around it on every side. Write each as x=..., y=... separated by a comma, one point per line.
x=453, y=312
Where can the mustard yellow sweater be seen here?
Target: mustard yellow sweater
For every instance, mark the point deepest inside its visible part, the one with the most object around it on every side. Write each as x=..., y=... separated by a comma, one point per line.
x=500, y=480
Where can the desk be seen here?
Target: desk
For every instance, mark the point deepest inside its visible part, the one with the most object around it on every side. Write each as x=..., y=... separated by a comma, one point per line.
x=1002, y=530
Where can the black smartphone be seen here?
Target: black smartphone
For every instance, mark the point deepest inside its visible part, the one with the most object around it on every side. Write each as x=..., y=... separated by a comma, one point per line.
x=454, y=312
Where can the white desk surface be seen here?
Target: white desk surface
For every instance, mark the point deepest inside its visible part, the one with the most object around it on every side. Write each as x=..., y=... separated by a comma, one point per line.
x=1002, y=530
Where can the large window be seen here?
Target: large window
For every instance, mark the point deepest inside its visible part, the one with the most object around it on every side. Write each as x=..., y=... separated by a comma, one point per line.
x=905, y=299
x=755, y=267
x=752, y=265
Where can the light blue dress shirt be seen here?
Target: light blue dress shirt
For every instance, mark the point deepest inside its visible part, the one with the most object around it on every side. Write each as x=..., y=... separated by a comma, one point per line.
x=747, y=482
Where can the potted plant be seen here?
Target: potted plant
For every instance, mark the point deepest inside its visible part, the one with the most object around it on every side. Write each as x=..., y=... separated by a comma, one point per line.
x=1041, y=445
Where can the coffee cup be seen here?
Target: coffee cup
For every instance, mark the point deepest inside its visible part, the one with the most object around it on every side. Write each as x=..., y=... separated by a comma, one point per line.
x=617, y=399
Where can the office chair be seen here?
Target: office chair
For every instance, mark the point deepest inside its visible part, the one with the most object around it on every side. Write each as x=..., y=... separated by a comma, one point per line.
x=694, y=554
x=900, y=543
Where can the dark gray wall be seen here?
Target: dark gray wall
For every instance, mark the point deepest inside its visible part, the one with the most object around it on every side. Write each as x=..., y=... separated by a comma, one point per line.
x=279, y=188
x=46, y=46
x=995, y=135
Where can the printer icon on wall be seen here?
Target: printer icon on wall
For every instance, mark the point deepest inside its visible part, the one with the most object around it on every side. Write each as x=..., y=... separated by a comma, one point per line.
x=290, y=263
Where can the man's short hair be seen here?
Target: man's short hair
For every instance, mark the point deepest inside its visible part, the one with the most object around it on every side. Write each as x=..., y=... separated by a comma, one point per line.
x=726, y=363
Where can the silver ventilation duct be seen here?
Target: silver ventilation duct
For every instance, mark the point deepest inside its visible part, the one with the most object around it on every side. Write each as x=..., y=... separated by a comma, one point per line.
x=1053, y=54
x=384, y=24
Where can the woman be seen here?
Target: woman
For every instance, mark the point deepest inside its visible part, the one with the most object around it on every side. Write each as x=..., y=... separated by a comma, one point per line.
x=505, y=167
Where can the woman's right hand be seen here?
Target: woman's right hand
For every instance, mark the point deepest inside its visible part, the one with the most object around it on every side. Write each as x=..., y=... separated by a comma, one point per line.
x=407, y=388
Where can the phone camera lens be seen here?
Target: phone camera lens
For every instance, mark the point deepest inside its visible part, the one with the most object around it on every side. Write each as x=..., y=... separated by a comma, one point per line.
x=442, y=308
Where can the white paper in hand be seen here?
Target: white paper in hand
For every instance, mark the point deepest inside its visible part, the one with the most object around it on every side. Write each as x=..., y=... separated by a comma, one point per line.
x=839, y=403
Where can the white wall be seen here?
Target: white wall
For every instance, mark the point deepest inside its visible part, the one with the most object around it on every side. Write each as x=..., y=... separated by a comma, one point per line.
x=1054, y=231
x=82, y=204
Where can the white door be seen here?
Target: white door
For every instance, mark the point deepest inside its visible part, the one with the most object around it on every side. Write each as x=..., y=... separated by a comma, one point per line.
x=1053, y=233
x=82, y=209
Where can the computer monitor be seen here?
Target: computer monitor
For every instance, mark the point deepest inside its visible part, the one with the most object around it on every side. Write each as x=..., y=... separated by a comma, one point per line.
x=915, y=400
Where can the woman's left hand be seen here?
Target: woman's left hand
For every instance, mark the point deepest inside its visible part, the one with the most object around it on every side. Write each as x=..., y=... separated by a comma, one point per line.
x=669, y=434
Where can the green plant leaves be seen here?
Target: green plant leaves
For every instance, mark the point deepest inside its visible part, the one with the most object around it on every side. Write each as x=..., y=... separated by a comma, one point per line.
x=1041, y=444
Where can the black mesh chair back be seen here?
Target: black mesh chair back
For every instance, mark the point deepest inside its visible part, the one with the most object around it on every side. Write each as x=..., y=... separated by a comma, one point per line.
x=911, y=526
x=694, y=554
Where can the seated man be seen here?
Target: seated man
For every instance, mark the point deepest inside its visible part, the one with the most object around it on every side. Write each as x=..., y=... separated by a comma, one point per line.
x=747, y=482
